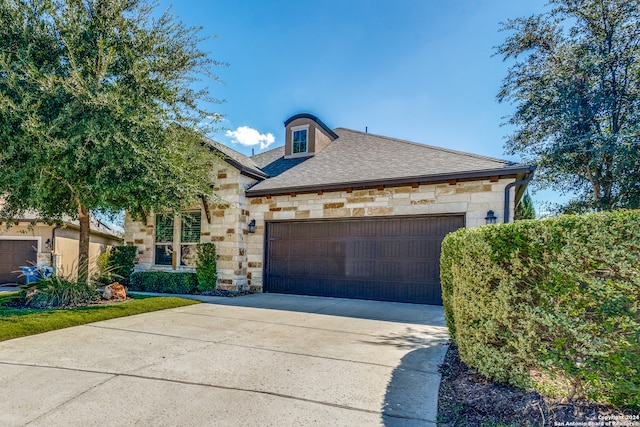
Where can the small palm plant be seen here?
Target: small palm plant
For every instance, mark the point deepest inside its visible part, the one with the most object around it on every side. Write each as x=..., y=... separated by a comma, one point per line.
x=58, y=291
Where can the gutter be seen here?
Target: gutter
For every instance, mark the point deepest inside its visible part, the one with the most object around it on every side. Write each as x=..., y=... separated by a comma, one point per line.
x=507, y=191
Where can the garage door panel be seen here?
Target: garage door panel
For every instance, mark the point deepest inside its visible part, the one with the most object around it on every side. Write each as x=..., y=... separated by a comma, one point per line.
x=393, y=259
x=13, y=255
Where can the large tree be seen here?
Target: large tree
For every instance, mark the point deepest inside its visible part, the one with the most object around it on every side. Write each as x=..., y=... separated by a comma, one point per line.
x=575, y=84
x=98, y=110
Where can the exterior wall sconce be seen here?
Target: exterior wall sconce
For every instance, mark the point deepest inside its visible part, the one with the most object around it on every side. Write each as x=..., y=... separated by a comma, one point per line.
x=490, y=218
x=252, y=226
x=47, y=244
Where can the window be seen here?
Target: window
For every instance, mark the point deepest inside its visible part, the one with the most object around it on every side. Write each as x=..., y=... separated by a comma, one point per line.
x=189, y=238
x=167, y=238
x=300, y=141
x=164, y=239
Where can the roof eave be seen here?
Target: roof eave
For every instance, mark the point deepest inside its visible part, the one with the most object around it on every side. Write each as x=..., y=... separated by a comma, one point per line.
x=510, y=171
x=245, y=170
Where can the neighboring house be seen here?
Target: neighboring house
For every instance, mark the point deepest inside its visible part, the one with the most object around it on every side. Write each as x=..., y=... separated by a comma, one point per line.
x=336, y=213
x=29, y=242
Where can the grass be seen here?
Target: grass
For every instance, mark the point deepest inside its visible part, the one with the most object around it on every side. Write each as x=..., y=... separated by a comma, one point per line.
x=16, y=323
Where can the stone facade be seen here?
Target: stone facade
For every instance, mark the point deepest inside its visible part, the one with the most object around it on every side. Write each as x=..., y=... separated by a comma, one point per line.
x=472, y=198
x=241, y=254
x=227, y=228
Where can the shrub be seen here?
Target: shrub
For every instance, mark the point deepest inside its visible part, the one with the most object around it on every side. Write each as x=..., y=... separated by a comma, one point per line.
x=206, y=267
x=550, y=304
x=53, y=292
x=162, y=281
x=122, y=262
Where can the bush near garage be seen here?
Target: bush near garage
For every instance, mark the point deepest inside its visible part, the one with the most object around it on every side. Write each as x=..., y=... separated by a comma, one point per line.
x=164, y=282
x=550, y=304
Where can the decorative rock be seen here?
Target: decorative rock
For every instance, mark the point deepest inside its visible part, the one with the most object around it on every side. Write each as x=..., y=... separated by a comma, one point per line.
x=114, y=291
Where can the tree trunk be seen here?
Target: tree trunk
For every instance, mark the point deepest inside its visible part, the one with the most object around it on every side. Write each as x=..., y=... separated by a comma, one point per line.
x=83, y=244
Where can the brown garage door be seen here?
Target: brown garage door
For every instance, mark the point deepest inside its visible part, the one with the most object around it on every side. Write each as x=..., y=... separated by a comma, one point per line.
x=389, y=259
x=13, y=255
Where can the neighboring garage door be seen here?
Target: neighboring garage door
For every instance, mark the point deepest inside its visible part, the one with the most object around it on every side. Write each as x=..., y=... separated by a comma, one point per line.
x=13, y=255
x=388, y=259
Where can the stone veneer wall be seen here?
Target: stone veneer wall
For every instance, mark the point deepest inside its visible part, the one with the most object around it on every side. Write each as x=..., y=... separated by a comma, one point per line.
x=472, y=198
x=228, y=230
x=241, y=255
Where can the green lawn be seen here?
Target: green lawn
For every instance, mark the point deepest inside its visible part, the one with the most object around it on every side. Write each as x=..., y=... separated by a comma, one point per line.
x=16, y=323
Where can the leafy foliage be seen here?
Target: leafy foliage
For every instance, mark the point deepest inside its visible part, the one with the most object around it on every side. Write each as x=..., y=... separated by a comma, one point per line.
x=206, y=266
x=161, y=281
x=576, y=89
x=98, y=112
x=553, y=304
x=525, y=209
x=122, y=262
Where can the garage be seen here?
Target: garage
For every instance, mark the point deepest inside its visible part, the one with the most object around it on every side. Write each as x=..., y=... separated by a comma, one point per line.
x=13, y=255
x=388, y=259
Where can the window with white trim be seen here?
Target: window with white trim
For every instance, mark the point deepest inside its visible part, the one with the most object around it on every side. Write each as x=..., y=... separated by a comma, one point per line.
x=177, y=235
x=299, y=140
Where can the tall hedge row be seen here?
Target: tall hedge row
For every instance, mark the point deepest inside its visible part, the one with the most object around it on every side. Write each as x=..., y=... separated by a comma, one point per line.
x=551, y=304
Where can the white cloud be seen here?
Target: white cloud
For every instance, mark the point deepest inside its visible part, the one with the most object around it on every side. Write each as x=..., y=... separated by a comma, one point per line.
x=248, y=137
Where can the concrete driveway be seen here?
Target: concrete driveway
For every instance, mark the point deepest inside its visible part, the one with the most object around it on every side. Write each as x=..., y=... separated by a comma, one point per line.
x=259, y=360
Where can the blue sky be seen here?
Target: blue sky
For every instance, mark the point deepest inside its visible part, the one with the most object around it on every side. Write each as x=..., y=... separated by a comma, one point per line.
x=420, y=70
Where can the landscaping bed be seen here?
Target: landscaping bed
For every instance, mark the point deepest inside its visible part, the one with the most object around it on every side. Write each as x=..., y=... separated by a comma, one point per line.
x=466, y=398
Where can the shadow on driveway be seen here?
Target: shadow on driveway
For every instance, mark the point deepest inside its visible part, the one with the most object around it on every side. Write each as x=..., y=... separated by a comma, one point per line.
x=412, y=393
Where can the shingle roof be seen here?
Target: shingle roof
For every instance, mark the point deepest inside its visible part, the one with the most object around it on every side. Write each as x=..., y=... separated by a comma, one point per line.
x=238, y=160
x=359, y=159
x=273, y=163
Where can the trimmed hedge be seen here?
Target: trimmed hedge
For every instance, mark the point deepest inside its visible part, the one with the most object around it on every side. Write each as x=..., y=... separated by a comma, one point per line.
x=162, y=281
x=551, y=304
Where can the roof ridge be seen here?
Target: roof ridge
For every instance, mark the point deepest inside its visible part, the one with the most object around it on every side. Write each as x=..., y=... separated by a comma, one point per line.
x=235, y=152
x=420, y=144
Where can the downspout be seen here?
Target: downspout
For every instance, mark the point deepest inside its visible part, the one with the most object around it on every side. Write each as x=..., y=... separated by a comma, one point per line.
x=507, y=189
x=54, y=257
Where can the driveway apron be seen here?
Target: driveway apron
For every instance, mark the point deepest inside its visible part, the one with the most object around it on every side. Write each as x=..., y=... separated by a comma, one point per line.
x=258, y=360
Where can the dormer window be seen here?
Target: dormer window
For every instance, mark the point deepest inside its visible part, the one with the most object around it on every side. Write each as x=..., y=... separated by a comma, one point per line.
x=300, y=139
x=306, y=136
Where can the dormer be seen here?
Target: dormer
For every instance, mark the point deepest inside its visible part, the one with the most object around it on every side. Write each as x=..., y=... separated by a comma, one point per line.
x=306, y=135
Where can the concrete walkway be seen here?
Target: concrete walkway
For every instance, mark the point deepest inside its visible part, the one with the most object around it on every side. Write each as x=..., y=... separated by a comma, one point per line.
x=259, y=360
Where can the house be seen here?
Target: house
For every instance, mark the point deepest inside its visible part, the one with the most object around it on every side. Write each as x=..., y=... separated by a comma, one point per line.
x=30, y=242
x=334, y=212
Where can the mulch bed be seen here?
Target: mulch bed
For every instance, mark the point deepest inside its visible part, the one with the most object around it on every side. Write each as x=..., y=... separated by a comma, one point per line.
x=18, y=303
x=223, y=293
x=466, y=398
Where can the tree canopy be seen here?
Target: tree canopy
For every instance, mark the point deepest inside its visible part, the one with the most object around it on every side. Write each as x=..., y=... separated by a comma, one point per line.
x=575, y=85
x=98, y=110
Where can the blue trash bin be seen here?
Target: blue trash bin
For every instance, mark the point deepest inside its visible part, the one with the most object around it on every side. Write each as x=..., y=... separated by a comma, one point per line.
x=30, y=274
x=46, y=271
